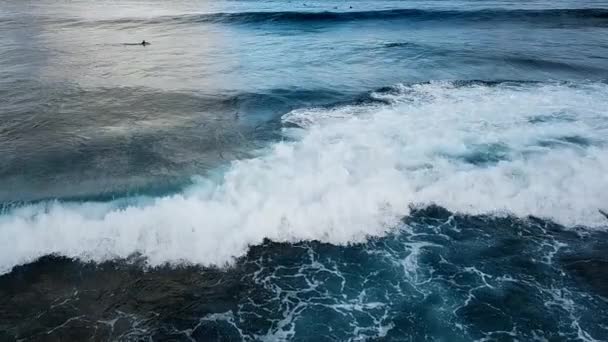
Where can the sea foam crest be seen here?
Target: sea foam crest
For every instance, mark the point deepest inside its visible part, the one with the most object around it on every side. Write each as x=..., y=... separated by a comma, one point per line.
x=352, y=172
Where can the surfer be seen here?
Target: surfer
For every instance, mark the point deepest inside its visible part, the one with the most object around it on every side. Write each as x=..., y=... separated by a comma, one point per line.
x=143, y=43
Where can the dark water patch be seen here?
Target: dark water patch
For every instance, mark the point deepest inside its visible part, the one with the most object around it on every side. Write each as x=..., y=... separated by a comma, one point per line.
x=591, y=271
x=566, y=141
x=397, y=44
x=585, y=260
x=465, y=84
x=482, y=155
x=551, y=65
x=441, y=275
x=404, y=45
x=553, y=117
x=598, y=57
x=487, y=154
x=495, y=83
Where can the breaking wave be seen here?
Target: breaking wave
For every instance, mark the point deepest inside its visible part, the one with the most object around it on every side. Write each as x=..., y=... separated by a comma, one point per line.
x=346, y=173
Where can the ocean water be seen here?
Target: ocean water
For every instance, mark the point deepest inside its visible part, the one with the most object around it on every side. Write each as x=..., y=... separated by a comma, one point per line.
x=337, y=170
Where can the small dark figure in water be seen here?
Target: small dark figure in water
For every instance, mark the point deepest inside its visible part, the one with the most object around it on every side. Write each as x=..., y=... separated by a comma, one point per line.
x=144, y=43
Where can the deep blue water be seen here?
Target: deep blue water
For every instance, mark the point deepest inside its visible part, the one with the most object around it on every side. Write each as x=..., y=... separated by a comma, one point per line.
x=303, y=170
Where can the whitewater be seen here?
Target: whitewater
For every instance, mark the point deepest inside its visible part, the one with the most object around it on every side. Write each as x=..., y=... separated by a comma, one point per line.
x=346, y=173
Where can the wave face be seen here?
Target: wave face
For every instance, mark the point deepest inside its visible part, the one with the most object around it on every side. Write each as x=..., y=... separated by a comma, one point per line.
x=350, y=172
x=600, y=16
x=538, y=17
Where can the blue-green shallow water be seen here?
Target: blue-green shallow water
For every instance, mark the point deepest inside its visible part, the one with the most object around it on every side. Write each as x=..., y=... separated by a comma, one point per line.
x=309, y=171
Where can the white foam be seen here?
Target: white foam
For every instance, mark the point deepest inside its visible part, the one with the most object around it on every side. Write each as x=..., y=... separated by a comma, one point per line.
x=352, y=172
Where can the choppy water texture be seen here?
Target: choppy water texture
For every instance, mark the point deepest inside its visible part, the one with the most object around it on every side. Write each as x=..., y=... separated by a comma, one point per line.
x=306, y=171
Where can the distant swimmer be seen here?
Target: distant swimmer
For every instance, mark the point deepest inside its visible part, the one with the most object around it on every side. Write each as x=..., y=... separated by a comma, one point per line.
x=143, y=43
